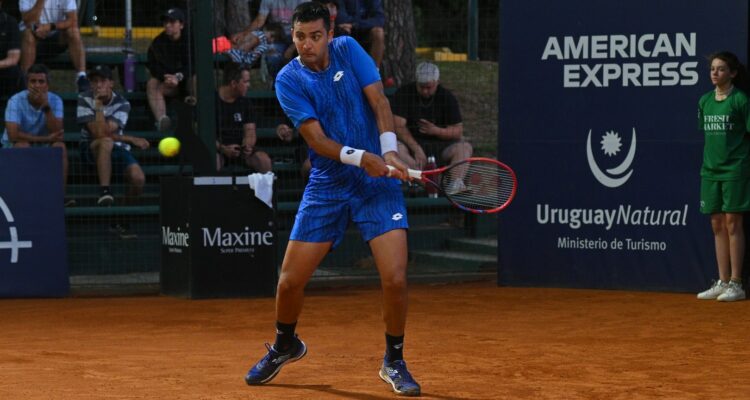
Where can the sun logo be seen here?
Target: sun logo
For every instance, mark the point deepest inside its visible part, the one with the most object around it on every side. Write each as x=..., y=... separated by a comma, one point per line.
x=611, y=143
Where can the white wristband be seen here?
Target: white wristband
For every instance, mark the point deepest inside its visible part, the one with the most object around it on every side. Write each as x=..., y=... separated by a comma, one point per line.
x=388, y=143
x=351, y=156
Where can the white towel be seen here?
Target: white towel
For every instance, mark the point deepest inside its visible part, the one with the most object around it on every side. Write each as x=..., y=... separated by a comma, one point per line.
x=262, y=184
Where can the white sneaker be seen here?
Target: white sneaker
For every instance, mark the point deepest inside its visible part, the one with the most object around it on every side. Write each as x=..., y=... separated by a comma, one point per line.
x=716, y=289
x=733, y=292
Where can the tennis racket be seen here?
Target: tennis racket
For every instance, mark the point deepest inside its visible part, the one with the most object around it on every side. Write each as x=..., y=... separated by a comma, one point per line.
x=477, y=185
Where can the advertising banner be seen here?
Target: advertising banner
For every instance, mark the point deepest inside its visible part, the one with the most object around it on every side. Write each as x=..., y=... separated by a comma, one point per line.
x=33, y=249
x=218, y=239
x=598, y=117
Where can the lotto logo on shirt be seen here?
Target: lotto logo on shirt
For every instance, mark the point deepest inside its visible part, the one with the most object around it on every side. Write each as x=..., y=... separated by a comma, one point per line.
x=237, y=117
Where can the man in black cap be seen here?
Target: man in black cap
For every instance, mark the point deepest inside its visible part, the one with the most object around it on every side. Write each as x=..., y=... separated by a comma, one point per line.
x=103, y=114
x=169, y=63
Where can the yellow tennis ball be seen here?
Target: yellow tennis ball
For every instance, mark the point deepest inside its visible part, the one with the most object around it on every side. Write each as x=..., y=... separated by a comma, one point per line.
x=169, y=146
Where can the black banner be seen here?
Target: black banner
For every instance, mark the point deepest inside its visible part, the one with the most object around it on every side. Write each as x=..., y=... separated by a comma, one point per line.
x=218, y=239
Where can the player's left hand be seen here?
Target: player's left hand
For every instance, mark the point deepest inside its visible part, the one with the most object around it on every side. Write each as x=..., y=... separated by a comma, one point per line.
x=373, y=165
x=401, y=171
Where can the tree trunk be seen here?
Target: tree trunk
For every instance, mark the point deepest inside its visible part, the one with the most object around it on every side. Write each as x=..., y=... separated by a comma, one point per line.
x=400, y=56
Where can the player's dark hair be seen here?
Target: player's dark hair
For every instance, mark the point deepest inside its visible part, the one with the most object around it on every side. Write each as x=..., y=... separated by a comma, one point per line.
x=741, y=80
x=312, y=11
x=233, y=72
x=38, y=69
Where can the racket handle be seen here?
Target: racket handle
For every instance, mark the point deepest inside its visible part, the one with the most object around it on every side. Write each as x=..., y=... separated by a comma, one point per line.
x=413, y=173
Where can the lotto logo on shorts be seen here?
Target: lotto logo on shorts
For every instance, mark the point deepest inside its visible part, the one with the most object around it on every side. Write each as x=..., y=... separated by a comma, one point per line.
x=397, y=216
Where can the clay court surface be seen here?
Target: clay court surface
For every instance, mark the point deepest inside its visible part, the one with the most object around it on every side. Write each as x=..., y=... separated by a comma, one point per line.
x=464, y=341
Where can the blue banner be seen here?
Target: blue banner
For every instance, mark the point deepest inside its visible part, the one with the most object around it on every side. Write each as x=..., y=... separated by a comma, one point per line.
x=33, y=249
x=598, y=117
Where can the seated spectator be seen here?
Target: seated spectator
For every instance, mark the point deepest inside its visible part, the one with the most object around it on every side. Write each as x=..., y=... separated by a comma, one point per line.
x=34, y=117
x=10, y=51
x=251, y=47
x=169, y=64
x=103, y=114
x=364, y=21
x=428, y=121
x=235, y=129
x=281, y=50
x=49, y=28
x=286, y=134
x=231, y=17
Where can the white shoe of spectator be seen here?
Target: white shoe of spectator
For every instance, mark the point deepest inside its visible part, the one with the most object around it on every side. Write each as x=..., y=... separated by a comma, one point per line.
x=733, y=292
x=714, y=291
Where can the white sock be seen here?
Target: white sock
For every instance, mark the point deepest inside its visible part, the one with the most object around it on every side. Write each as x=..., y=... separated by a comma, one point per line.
x=81, y=74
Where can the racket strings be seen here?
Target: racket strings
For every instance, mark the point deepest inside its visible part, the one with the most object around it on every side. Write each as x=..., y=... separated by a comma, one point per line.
x=479, y=185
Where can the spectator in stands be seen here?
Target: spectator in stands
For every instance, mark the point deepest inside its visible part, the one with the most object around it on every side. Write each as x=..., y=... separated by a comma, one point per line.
x=282, y=50
x=10, y=51
x=48, y=28
x=364, y=21
x=103, y=114
x=286, y=134
x=428, y=121
x=34, y=117
x=235, y=129
x=169, y=63
x=230, y=17
x=253, y=45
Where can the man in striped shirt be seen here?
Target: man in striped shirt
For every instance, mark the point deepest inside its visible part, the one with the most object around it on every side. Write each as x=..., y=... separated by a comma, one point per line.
x=102, y=114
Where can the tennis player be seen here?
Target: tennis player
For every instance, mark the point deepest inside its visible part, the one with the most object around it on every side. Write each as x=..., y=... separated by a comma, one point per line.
x=333, y=95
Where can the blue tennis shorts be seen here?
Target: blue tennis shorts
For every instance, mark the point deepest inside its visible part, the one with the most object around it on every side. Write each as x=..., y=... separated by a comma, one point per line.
x=375, y=212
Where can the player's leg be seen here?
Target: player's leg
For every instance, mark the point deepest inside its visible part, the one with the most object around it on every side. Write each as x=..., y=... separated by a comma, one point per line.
x=390, y=253
x=319, y=225
x=300, y=261
x=382, y=219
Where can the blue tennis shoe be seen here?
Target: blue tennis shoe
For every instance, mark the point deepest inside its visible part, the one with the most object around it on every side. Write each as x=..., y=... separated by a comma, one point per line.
x=270, y=365
x=398, y=376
